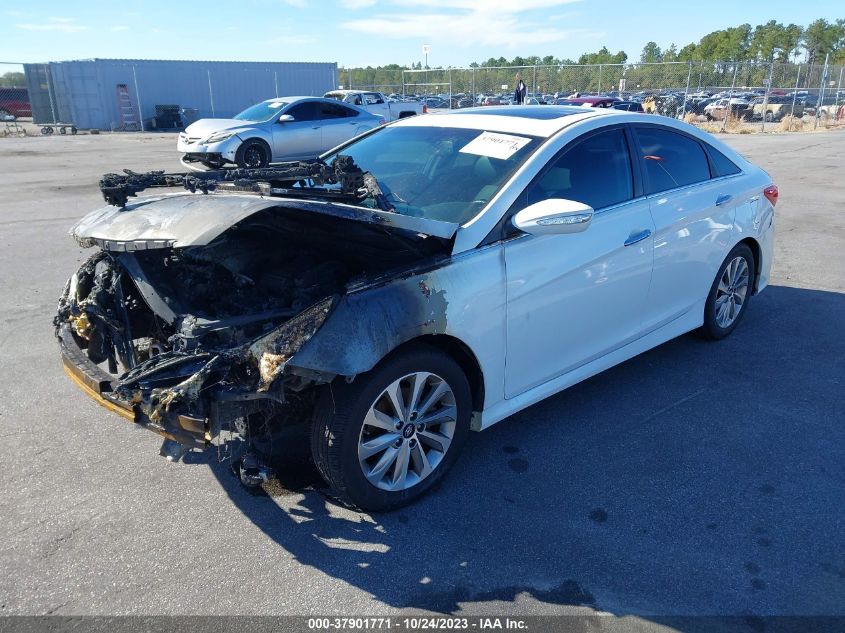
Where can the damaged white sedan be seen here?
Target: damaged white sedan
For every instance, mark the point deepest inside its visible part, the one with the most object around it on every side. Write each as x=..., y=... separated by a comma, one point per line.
x=429, y=278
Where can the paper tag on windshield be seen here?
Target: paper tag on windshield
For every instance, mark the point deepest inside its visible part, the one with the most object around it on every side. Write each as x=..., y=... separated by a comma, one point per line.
x=495, y=145
x=276, y=104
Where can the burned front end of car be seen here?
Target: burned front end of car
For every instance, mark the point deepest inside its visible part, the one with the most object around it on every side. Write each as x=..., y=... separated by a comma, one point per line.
x=187, y=317
x=186, y=347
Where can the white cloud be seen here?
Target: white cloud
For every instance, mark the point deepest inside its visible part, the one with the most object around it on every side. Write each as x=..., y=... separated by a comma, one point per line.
x=299, y=4
x=65, y=25
x=357, y=4
x=119, y=28
x=471, y=23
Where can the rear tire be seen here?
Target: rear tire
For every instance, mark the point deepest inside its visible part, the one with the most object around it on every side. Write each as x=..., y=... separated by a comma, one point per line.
x=359, y=444
x=730, y=294
x=253, y=154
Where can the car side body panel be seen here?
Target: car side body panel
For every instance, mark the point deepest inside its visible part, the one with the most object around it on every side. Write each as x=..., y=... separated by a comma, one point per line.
x=575, y=297
x=692, y=237
x=462, y=297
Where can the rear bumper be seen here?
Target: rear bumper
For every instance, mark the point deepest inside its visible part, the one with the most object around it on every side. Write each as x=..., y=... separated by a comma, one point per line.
x=96, y=383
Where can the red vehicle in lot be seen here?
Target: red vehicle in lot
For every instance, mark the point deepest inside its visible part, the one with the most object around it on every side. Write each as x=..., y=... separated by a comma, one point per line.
x=14, y=102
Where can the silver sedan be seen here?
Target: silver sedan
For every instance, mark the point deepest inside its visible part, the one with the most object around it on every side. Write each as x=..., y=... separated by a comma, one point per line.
x=281, y=129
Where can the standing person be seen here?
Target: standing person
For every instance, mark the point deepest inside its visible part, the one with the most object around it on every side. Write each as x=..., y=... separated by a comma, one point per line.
x=519, y=93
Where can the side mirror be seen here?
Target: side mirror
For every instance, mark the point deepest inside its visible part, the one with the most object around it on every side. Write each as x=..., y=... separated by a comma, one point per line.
x=286, y=118
x=554, y=216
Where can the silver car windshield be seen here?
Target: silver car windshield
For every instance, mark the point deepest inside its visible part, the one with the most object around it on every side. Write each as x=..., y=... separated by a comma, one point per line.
x=445, y=174
x=261, y=111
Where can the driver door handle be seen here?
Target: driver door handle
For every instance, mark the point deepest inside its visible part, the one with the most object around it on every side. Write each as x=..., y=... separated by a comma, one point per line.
x=637, y=236
x=723, y=199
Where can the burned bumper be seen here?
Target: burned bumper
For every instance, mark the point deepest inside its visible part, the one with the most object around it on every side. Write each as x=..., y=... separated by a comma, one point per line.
x=189, y=431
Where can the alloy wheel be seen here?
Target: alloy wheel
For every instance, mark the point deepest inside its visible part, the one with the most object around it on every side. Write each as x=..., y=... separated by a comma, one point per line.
x=253, y=156
x=731, y=292
x=407, y=431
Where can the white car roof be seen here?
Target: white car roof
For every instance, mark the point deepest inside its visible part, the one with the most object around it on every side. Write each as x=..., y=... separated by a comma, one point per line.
x=539, y=121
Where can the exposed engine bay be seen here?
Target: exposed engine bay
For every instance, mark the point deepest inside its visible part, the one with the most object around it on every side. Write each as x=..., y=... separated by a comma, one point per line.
x=194, y=341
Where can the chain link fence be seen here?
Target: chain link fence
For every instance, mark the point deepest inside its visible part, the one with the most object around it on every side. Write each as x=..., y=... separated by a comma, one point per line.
x=755, y=91
x=15, y=108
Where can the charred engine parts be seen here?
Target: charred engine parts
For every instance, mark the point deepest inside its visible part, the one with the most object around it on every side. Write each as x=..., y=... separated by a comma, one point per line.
x=172, y=450
x=253, y=471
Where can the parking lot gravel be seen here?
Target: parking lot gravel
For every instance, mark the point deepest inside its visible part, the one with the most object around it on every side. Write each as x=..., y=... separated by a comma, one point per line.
x=697, y=479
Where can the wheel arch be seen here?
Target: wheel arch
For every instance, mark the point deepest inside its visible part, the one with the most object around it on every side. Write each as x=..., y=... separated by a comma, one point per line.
x=757, y=252
x=260, y=141
x=461, y=353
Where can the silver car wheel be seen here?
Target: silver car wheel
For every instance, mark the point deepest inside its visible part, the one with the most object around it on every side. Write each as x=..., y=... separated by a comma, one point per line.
x=407, y=431
x=731, y=292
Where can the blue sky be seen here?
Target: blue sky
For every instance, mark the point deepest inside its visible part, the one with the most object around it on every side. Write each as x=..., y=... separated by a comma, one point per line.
x=369, y=32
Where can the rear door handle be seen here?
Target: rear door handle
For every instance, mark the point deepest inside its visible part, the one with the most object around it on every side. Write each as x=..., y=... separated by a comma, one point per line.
x=637, y=237
x=723, y=199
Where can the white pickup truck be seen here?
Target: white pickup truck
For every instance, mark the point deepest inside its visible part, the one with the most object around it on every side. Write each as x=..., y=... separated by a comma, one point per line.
x=377, y=103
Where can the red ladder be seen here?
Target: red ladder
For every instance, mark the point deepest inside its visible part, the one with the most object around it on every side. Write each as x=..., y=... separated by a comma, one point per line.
x=129, y=119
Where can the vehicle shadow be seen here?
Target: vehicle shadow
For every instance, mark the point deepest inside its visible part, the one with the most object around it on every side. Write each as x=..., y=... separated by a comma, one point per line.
x=699, y=478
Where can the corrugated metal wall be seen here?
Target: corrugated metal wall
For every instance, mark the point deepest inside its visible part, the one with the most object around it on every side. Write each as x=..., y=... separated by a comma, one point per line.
x=85, y=92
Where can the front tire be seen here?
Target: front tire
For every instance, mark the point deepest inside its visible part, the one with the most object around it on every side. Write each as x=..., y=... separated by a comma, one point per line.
x=730, y=294
x=392, y=434
x=252, y=154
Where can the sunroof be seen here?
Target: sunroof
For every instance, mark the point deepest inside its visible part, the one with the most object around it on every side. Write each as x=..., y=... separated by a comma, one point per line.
x=541, y=112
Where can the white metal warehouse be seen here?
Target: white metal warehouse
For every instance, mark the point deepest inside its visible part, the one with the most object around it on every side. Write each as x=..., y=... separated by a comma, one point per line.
x=112, y=94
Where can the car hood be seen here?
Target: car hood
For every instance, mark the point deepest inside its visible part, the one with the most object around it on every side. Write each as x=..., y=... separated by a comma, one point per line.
x=195, y=219
x=204, y=127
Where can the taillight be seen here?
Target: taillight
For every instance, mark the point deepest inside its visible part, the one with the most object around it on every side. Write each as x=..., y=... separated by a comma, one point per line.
x=771, y=193
x=425, y=109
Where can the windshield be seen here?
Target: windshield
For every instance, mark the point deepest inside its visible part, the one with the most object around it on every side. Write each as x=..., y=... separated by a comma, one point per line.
x=261, y=111
x=445, y=174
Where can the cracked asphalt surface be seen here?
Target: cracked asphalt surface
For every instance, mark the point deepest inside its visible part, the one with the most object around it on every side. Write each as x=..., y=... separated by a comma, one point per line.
x=698, y=478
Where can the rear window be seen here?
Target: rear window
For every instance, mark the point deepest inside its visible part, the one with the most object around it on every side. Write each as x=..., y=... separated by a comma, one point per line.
x=671, y=160
x=722, y=165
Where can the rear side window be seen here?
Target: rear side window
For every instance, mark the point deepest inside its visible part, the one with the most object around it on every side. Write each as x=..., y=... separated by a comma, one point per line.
x=305, y=111
x=596, y=171
x=671, y=160
x=722, y=165
x=335, y=111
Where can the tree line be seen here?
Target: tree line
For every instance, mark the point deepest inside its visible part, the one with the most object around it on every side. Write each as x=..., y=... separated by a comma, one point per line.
x=764, y=43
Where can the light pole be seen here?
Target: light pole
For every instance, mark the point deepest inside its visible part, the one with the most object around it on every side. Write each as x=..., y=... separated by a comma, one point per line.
x=426, y=49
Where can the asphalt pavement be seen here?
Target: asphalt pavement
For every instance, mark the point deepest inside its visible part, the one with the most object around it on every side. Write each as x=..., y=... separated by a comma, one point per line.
x=697, y=479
